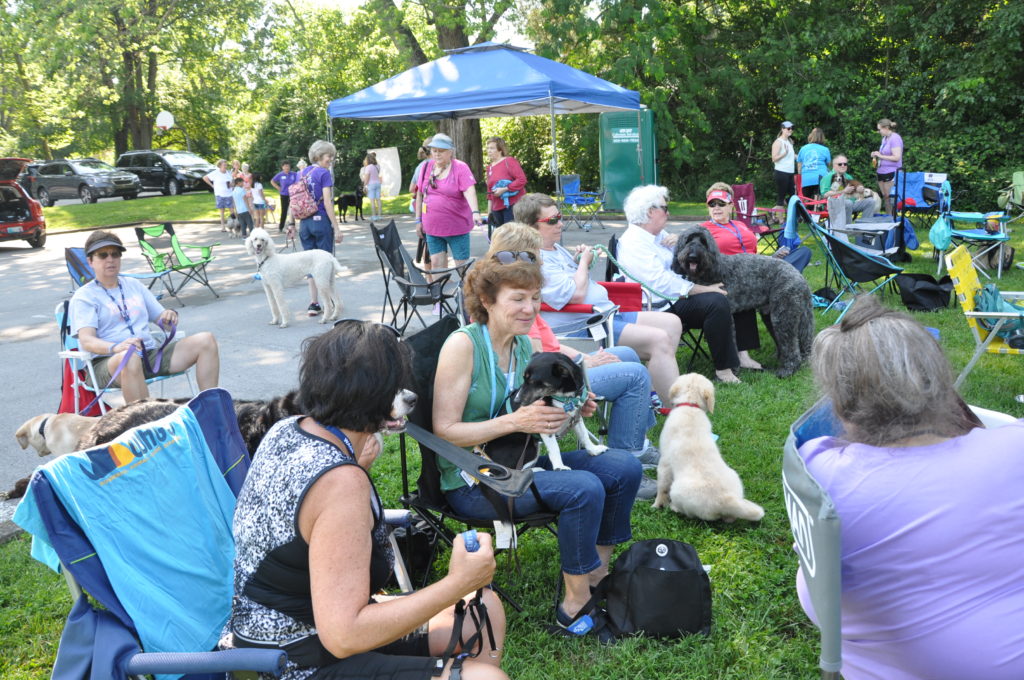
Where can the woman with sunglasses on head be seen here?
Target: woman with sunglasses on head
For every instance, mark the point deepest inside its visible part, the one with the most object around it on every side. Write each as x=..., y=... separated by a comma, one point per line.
x=311, y=544
x=654, y=335
x=614, y=374
x=645, y=252
x=446, y=203
x=784, y=158
x=505, y=183
x=734, y=237
x=110, y=317
x=478, y=367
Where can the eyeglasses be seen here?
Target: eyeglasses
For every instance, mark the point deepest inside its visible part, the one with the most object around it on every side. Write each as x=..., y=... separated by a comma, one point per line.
x=433, y=182
x=716, y=204
x=511, y=256
x=104, y=254
x=661, y=207
x=553, y=220
x=842, y=165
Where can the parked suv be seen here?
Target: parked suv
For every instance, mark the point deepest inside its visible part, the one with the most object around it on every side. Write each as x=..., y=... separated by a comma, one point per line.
x=21, y=217
x=87, y=179
x=172, y=172
x=29, y=177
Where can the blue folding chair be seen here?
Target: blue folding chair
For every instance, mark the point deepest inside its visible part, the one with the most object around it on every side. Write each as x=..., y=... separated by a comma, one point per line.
x=102, y=516
x=81, y=272
x=581, y=207
x=851, y=270
x=944, y=234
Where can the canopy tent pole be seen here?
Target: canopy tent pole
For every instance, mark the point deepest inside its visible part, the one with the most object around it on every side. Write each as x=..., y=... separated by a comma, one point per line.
x=554, y=143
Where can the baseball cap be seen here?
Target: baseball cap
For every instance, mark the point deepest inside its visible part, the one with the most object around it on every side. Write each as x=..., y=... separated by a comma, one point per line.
x=102, y=239
x=787, y=124
x=441, y=141
x=720, y=195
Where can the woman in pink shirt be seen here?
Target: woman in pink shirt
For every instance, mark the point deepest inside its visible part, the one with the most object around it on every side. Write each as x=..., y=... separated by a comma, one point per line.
x=446, y=204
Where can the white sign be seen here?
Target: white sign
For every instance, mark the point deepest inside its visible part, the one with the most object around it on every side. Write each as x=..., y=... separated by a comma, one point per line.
x=629, y=135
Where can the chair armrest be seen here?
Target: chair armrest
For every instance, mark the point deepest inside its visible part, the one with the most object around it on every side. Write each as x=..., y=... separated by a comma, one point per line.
x=260, y=660
x=506, y=481
x=572, y=308
x=628, y=295
x=994, y=315
x=461, y=268
x=79, y=354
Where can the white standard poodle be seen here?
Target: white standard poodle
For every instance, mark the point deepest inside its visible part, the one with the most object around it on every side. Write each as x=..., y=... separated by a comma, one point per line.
x=278, y=270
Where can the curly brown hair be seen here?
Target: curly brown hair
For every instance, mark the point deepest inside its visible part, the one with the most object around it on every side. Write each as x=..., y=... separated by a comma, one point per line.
x=486, y=279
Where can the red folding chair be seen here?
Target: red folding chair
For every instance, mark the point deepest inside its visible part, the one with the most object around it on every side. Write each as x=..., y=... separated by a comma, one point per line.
x=762, y=221
x=810, y=203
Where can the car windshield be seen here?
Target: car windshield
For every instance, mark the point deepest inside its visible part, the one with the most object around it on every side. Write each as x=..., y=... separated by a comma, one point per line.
x=91, y=166
x=182, y=159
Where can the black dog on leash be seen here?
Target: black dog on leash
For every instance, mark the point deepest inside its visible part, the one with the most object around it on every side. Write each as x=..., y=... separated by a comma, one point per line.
x=351, y=200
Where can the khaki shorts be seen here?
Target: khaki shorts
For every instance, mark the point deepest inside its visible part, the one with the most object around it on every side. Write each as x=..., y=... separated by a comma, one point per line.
x=100, y=365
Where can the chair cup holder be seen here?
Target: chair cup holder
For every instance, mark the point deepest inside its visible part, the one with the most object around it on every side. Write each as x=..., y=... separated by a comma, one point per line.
x=493, y=471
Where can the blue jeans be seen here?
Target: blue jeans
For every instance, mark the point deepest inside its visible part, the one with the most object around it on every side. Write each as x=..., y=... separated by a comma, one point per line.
x=593, y=501
x=316, y=234
x=626, y=384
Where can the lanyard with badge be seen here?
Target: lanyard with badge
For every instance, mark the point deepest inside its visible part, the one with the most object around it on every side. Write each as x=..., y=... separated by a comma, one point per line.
x=736, y=232
x=492, y=374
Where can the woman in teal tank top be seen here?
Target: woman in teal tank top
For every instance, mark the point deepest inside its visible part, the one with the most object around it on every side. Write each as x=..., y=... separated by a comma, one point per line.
x=478, y=367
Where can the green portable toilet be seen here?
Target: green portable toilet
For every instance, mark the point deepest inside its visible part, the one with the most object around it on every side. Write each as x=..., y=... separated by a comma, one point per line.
x=627, y=154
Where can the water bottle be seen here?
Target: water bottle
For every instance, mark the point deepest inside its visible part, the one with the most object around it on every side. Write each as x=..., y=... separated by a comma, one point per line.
x=470, y=540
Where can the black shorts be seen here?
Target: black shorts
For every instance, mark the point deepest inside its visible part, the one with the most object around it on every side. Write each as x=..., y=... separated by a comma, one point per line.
x=885, y=176
x=405, y=659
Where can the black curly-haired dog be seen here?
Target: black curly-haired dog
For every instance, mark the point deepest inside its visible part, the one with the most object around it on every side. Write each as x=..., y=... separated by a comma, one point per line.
x=255, y=418
x=760, y=282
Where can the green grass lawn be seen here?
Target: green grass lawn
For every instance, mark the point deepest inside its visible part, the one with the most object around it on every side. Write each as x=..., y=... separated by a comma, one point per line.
x=200, y=206
x=759, y=629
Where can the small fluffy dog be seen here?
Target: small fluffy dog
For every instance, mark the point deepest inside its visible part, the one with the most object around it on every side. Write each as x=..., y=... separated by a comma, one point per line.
x=860, y=191
x=233, y=226
x=560, y=381
x=351, y=200
x=753, y=281
x=53, y=432
x=278, y=270
x=693, y=479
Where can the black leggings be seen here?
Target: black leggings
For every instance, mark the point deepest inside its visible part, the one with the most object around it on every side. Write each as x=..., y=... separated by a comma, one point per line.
x=727, y=334
x=784, y=187
x=284, y=212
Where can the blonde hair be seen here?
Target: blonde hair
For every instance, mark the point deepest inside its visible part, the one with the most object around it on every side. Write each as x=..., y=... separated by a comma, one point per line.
x=514, y=236
x=718, y=186
x=817, y=136
x=886, y=123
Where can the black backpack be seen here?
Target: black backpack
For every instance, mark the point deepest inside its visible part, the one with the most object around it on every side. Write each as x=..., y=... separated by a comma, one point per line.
x=657, y=588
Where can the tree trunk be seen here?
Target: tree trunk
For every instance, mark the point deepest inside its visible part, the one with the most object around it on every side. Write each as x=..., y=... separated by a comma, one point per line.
x=465, y=132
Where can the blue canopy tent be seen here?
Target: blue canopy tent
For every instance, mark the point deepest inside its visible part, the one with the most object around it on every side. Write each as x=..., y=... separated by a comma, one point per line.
x=482, y=81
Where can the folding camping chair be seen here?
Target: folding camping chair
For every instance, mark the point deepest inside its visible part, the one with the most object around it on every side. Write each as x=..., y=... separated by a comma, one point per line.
x=967, y=287
x=916, y=195
x=427, y=501
x=82, y=373
x=1011, y=198
x=177, y=260
x=652, y=300
x=762, y=221
x=397, y=266
x=817, y=207
x=582, y=207
x=816, y=526
x=847, y=267
x=944, y=234
x=164, y=587
x=81, y=271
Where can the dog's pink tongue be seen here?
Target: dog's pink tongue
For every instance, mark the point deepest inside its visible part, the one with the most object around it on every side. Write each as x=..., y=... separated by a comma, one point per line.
x=692, y=266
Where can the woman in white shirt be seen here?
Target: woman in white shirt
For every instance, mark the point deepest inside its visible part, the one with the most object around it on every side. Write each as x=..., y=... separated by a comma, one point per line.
x=645, y=252
x=784, y=158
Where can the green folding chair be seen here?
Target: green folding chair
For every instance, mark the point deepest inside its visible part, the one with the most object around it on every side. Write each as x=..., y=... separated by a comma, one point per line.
x=177, y=260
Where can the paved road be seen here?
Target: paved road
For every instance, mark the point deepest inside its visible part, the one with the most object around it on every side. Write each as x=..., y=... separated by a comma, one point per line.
x=257, y=360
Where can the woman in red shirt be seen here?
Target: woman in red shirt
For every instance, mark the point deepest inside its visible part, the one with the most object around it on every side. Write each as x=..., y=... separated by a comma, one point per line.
x=732, y=236
x=502, y=198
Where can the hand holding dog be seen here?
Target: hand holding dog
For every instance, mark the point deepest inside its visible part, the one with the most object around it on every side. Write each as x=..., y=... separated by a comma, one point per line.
x=472, y=570
x=538, y=418
x=713, y=288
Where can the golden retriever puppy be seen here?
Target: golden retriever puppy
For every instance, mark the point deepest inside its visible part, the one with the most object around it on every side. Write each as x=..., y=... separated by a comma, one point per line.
x=53, y=432
x=693, y=479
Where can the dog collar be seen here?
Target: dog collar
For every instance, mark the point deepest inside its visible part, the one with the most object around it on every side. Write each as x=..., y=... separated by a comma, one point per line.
x=42, y=426
x=688, y=403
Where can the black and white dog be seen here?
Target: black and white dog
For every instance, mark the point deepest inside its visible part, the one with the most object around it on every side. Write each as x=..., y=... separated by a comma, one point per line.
x=559, y=381
x=351, y=200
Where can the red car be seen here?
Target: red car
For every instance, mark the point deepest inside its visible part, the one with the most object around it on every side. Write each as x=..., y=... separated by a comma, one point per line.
x=21, y=217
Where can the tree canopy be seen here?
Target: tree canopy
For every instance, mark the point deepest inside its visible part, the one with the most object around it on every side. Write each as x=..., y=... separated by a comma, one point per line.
x=251, y=79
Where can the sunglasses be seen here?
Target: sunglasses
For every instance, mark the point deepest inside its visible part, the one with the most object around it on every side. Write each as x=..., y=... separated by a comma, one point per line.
x=717, y=204
x=553, y=220
x=662, y=207
x=511, y=256
x=104, y=254
x=842, y=165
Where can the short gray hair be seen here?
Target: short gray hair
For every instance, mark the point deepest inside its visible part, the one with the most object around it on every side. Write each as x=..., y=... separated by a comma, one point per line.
x=319, y=149
x=640, y=200
x=528, y=209
x=886, y=376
